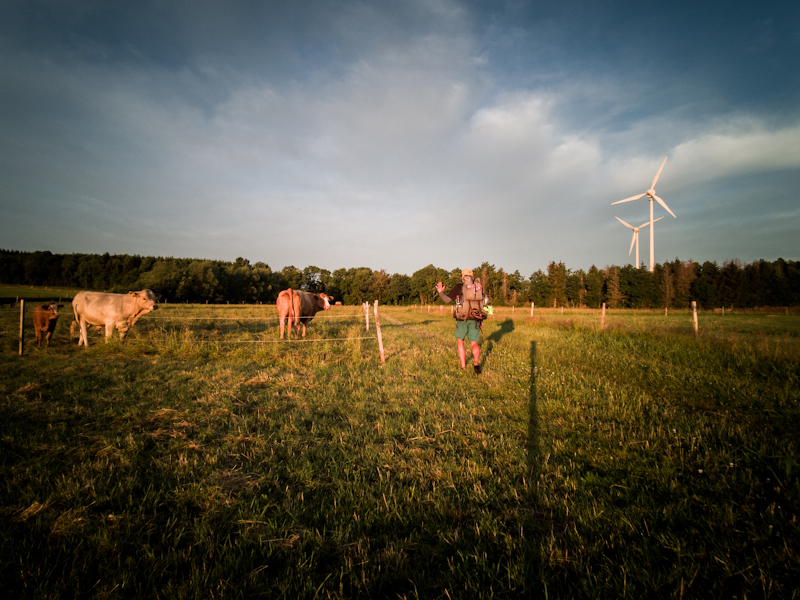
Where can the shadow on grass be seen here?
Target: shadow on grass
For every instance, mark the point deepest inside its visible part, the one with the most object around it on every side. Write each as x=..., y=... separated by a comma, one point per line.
x=506, y=327
x=536, y=522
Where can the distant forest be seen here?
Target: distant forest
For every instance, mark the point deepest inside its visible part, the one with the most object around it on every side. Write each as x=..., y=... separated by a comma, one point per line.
x=672, y=284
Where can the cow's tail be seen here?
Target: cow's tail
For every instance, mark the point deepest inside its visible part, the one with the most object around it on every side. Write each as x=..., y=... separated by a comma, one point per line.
x=76, y=322
x=294, y=318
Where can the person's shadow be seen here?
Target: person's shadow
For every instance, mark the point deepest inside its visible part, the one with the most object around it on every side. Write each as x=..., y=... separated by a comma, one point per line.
x=506, y=327
x=536, y=522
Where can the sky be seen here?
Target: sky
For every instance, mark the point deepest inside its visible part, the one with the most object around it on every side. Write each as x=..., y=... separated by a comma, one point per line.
x=397, y=134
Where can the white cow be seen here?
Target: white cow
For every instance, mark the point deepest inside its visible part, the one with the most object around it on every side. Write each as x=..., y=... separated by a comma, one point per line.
x=112, y=310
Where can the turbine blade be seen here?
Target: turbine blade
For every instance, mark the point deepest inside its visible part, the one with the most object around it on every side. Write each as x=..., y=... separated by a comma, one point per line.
x=624, y=223
x=633, y=241
x=653, y=185
x=664, y=204
x=648, y=223
x=628, y=199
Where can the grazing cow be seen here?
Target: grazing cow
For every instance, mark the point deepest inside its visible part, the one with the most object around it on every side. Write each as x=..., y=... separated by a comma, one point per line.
x=300, y=307
x=112, y=310
x=45, y=318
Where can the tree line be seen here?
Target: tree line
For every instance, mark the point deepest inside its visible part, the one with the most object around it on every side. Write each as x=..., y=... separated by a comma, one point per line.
x=672, y=284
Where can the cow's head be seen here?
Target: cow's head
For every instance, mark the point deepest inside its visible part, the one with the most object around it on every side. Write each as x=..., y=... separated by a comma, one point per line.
x=51, y=310
x=327, y=300
x=145, y=299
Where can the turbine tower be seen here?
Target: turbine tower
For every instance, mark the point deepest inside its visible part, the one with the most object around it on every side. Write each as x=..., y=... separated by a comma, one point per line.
x=651, y=193
x=635, y=239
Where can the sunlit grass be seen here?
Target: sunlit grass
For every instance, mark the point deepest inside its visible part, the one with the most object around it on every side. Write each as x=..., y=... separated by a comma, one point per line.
x=196, y=461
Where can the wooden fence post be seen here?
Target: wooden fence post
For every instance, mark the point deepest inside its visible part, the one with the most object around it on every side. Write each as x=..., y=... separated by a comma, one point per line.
x=378, y=329
x=365, y=306
x=694, y=311
x=532, y=305
x=21, y=326
x=603, y=317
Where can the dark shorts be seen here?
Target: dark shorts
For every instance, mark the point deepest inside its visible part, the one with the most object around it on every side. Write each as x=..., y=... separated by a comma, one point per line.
x=469, y=330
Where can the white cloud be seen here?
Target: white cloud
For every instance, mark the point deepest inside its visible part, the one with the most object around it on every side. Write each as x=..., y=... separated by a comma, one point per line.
x=395, y=159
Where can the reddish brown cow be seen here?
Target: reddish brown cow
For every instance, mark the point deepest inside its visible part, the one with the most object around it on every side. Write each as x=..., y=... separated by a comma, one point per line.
x=299, y=308
x=45, y=318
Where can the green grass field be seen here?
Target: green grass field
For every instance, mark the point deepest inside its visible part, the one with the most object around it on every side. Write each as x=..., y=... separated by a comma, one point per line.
x=195, y=461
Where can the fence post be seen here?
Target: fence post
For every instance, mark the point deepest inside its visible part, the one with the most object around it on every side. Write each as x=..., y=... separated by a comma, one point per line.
x=694, y=311
x=378, y=329
x=603, y=317
x=365, y=306
x=532, y=305
x=21, y=326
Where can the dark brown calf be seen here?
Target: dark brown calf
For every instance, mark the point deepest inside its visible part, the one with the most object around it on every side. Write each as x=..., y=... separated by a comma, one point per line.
x=45, y=318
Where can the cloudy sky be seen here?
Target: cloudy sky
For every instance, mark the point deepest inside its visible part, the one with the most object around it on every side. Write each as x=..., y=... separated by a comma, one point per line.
x=396, y=134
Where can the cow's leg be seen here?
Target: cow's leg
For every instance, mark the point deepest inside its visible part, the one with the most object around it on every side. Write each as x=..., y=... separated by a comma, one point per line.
x=109, y=330
x=39, y=339
x=282, y=326
x=49, y=335
x=84, y=337
x=304, y=330
x=123, y=330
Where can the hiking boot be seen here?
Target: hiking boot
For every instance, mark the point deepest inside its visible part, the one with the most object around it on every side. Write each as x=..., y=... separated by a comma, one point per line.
x=477, y=369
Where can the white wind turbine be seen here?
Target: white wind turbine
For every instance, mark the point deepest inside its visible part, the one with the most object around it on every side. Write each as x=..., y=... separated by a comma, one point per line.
x=651, y=193
x=635, y=239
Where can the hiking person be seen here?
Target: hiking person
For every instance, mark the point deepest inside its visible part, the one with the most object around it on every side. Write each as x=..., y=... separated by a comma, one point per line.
x=469, y=315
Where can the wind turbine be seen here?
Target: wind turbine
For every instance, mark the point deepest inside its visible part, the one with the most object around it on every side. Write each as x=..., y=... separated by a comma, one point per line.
x=651, y=193
x=635, y=239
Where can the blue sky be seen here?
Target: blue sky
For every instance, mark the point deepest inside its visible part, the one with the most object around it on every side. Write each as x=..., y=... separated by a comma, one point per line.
x=393, y=135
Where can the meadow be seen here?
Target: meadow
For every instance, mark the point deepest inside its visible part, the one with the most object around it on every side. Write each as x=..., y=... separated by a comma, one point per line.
x=202, y=458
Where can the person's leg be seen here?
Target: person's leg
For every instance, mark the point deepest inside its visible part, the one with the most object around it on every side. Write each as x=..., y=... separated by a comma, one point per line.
x=473, y=337
x=462, y=353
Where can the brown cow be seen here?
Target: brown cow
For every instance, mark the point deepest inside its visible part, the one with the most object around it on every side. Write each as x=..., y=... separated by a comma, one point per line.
x=112, y=310
x=300, y=307
x=45, y=318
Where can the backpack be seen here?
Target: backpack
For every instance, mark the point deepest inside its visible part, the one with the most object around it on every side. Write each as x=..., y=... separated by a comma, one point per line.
x=470, y=304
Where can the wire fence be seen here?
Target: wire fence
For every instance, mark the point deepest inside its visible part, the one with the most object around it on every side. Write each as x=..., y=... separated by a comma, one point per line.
x=215, y=336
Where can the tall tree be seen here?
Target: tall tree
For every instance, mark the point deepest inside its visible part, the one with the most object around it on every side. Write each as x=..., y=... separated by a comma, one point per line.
x=594, y=287
x=538, y=288
x=613, y=293
x=423, y=283
x=380, y=285
x=293, y=277
x=574, y=288
x=557, y=278
x=705, y=286
x=684, y=272
x=399, y=290
x=666, y=285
